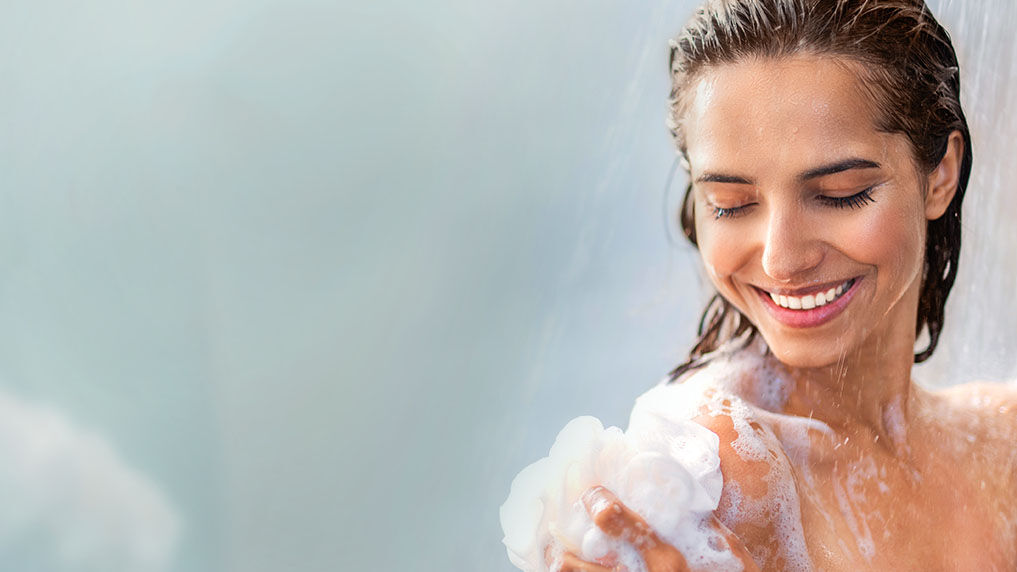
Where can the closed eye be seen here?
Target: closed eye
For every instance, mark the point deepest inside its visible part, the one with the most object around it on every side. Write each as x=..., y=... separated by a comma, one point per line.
x=854, y=201
x=730, y=212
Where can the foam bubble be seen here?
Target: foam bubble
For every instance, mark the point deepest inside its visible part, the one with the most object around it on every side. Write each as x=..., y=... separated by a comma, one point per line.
x=665, y=469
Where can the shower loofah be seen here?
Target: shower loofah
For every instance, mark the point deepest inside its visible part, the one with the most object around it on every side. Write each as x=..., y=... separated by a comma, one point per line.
x=666, y=469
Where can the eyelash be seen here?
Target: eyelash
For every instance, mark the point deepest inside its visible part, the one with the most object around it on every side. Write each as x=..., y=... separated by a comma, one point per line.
x=719, y=213
x=857, y=200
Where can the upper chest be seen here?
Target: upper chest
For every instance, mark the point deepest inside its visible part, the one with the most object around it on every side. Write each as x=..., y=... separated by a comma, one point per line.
x=868, y=516
x=851, y=506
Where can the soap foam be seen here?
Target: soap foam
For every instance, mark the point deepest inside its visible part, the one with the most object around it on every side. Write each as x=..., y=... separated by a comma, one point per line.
x=665, y=470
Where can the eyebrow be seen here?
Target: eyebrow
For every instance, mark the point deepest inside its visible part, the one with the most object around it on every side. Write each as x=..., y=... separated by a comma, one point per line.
x=838, y=167
x=720, y=178
x=821, y=171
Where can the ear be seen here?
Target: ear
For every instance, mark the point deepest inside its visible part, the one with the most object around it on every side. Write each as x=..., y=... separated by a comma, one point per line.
x=944, y=178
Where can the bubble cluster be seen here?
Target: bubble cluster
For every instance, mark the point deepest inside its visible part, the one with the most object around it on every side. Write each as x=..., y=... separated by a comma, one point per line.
x=665, y=469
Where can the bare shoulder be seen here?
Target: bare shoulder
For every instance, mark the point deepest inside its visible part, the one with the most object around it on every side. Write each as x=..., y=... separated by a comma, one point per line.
x=712, y=397
x=986, y=399
x=747, y=450
x=981, y=394
x=733, y=395
x=759, y=499
x=984, y=412
x=732, y=398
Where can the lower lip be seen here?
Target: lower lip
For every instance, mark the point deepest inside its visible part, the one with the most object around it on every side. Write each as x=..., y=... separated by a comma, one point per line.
x=809, y=318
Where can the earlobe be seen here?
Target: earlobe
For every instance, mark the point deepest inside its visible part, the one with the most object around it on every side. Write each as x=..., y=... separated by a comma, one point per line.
x=944, y=178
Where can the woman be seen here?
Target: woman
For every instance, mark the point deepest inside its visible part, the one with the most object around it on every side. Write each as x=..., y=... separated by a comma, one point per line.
x=828, y=157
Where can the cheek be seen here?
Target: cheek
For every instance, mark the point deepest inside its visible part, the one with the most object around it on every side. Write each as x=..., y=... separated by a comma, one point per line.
x=722, y=247
x=890, y=238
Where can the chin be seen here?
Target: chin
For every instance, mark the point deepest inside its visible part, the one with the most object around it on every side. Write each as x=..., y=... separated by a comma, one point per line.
x=804, y=355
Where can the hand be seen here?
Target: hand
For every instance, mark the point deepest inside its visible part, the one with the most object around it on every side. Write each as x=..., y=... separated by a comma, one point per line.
x=619, y=521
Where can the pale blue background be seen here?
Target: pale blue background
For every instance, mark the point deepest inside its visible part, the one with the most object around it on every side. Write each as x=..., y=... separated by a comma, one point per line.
x=330, y=274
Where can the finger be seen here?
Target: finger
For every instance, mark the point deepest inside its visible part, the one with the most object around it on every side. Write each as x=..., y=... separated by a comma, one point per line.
x=735, y=544
x=621, y=522
x=549, y=555
x=571, y=563
x=616, y=519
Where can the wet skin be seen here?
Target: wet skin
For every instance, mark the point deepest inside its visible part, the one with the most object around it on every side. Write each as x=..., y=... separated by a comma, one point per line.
x=932, y=488
x=797, y=191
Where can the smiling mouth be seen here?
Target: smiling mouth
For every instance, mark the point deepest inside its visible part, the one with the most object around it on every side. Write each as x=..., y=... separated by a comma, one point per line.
x=813, y=309
x=811, y=301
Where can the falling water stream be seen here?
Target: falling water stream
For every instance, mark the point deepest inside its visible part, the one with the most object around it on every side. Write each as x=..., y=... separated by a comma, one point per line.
x=980, y=334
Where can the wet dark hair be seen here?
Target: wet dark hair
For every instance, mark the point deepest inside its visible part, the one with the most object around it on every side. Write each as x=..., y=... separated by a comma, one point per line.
x=910, y=73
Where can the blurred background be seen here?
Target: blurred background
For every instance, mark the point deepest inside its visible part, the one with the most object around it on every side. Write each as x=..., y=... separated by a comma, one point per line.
x=302, y=285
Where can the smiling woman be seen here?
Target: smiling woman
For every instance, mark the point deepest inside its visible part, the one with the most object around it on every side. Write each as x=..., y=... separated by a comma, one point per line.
x=828, y=157
x=813, y=198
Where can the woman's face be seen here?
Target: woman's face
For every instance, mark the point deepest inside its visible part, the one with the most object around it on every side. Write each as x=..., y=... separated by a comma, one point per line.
x=809, y=220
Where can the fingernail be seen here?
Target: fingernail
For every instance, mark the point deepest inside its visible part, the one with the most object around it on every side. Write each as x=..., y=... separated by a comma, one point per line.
x=596, y=499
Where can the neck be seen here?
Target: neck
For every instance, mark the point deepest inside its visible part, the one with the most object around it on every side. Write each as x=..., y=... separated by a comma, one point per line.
x=868, y=393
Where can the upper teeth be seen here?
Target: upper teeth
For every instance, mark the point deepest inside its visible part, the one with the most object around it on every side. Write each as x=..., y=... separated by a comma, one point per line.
x=812, y=300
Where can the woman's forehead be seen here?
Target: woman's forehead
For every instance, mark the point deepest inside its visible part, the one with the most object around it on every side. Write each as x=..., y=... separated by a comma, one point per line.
x=799, y=110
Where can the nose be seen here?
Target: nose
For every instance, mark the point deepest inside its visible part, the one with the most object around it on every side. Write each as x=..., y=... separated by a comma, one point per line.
x=791, y=248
